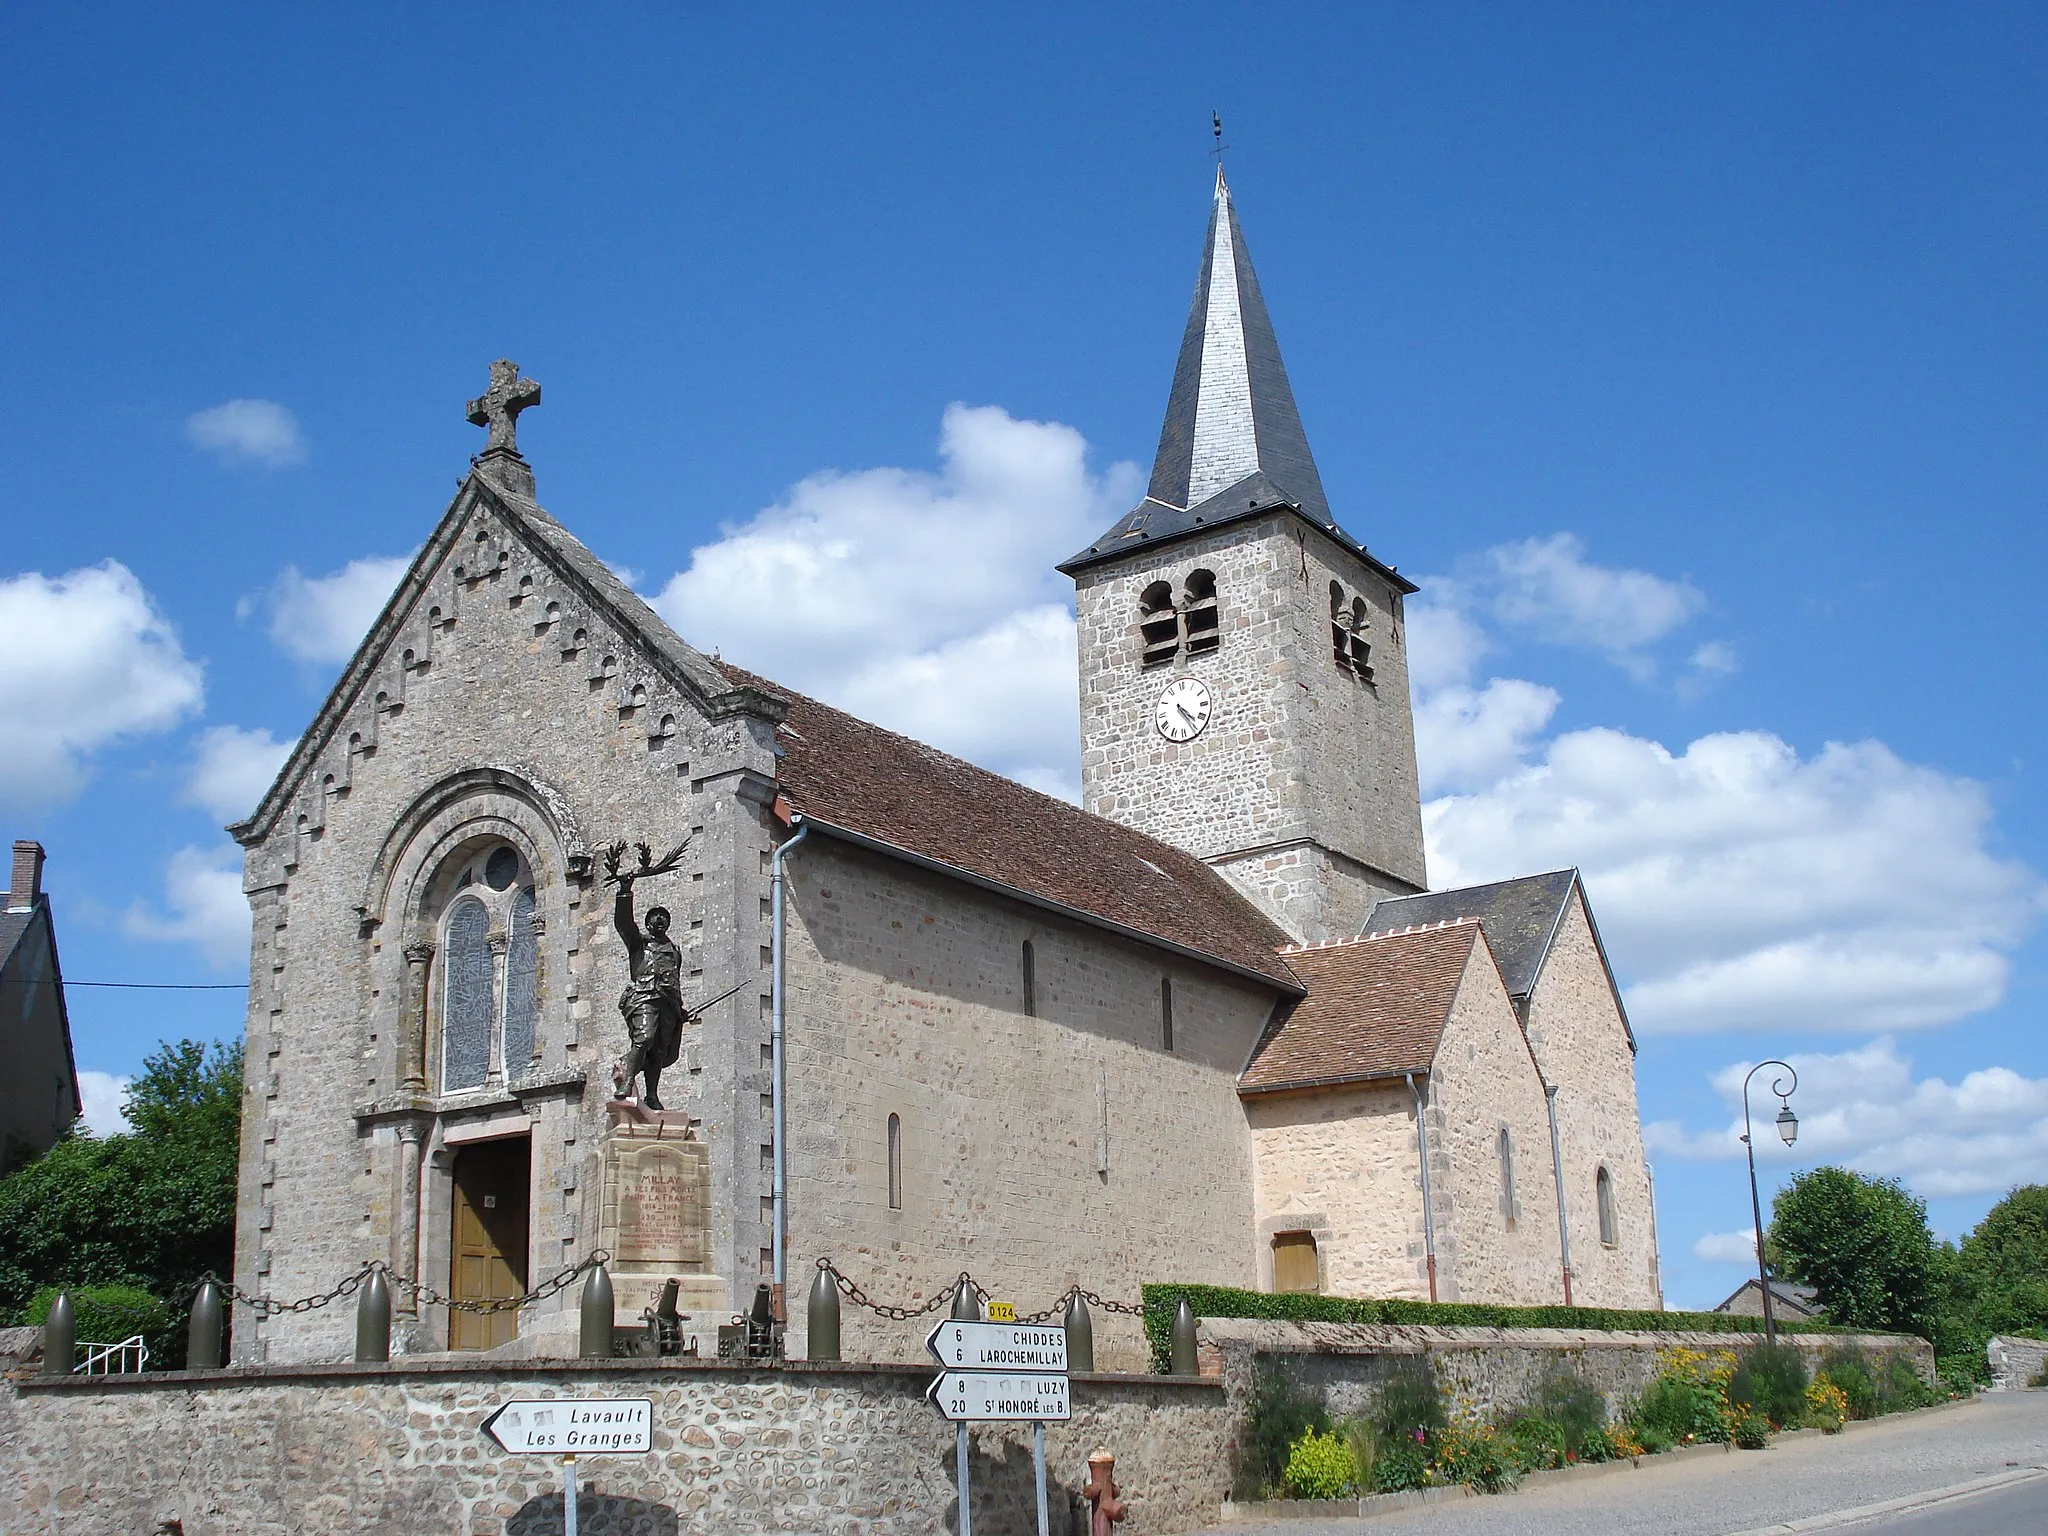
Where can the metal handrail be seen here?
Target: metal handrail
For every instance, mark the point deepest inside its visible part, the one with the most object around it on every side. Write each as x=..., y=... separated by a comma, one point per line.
x=112, y=1359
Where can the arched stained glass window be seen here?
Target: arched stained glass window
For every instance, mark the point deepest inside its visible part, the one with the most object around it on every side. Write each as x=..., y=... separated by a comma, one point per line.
x=522, y=977
x=466, y=1007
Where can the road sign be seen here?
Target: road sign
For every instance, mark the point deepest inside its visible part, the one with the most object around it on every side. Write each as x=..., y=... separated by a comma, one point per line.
x=998, y=1347
x=965, y=1395
x=570, y=1426
x=1002, y=1312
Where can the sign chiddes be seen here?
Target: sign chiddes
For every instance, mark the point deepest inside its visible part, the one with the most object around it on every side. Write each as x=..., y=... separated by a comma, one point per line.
x=999, y=1347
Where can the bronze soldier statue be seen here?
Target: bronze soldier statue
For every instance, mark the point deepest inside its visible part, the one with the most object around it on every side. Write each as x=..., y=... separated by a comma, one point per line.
x=653, y=999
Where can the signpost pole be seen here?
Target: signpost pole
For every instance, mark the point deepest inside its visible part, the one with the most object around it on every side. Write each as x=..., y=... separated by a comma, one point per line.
x=1038, y=1467
x=960, y=1465
x=568, y=1496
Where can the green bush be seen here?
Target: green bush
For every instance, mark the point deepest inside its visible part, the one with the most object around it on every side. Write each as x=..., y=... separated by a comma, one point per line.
x=1319, y=1466
x=1362, y=1440
x=1409, y=1400
x=1312, y=1307
x=1845, y=1367
x=1752, y=1431
x=1400, y=1465
x=1478, y=1455
x=1577, y=1409
x=1899, y=1385
x=1675, y=1411
x=1536, y=1443
x=1771, y=1378
x=1281, y=1411
x=110, y=1314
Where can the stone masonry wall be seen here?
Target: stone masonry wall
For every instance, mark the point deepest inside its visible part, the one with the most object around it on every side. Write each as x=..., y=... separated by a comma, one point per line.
x=1037, y=1152
x=1576, y=1030
x=494, y=701
x=1342, y=1164
x=1297, y=751
x=1481, y=1081
x=378, y=1451
x=1482, y=1371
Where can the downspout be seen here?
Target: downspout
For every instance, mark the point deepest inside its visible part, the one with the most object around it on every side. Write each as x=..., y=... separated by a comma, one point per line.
x=1428, y=1213
x=1564, y=1233
x=778, y=1059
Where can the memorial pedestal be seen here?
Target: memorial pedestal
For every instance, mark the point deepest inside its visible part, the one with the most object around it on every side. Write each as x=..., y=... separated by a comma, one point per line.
x=656, y=1221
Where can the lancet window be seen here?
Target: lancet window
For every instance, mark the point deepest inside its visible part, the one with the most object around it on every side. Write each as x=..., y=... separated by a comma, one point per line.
x=1158, y=624
x=1603, y=1200
x=1510, y=1208
x=489, y=970
x=1199, y=614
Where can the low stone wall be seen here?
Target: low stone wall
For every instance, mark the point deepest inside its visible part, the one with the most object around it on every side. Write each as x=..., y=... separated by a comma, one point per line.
x=2015, y=1363
x=1486, y=1370
x=383, y=1450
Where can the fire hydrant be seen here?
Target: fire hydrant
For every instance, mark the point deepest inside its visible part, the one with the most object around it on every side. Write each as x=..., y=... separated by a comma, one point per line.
x=1105, y=1508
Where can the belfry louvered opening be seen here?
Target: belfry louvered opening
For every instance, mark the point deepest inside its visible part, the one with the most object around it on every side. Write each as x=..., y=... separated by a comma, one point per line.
x=1158, y=624
x=1199, y=614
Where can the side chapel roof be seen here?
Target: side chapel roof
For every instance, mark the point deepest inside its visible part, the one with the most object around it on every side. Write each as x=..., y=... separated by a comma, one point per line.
x=1376, y=1007
x=910, y=798
x=1232, y=445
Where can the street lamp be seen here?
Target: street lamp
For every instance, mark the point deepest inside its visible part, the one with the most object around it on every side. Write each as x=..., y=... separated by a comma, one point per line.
x=1788, y=1132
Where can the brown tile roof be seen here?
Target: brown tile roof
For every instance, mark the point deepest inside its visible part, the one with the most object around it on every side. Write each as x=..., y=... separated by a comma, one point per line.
x=1376, y=1007
x=848, y=773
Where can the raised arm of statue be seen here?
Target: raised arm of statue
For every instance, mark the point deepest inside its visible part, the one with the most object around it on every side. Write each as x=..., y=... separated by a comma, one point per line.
x=622, y=916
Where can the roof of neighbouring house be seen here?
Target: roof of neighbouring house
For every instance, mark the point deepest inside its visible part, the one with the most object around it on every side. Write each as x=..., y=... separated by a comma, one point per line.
x=1376, y=1007
x=845, y=773
x=1519, y=917
x=1796, y=1298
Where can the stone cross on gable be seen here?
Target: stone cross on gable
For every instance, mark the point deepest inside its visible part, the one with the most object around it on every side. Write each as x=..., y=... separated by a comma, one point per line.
x=499, y=406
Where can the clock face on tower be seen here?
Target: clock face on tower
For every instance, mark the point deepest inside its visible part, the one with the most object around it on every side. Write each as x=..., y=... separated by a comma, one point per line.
x=1183, y=709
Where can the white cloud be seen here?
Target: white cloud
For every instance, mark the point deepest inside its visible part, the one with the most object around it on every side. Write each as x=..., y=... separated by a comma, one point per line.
x=231, y=770
x=1549, y=587
x=248, y=432
x=1727, y=1247
x=923, y=601
x=88, y=659
x=206, y=907
x=1863, y=1108
x=1741, y=886
x=1467, y=737
x=103, y=1095
x=1716, y=658
x=324, y=618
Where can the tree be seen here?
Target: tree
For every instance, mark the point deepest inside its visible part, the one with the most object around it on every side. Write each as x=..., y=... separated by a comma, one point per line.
x=153, y=1207
x=1863, y=1245
x=2000, y=1283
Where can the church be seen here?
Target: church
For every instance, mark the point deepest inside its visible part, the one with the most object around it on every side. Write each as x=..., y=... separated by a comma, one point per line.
x=859, y=1000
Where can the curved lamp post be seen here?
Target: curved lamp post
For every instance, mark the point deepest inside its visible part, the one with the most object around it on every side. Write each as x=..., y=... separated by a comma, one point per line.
x=1788, y=1132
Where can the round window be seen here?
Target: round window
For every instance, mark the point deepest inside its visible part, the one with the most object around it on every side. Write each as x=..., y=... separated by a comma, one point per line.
x=501, y=869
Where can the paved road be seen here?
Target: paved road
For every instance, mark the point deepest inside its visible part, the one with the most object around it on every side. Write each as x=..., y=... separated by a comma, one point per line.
x=1748, y=1490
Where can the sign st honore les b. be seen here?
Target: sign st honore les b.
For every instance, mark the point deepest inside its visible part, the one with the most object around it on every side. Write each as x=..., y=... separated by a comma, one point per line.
x=999, y=1371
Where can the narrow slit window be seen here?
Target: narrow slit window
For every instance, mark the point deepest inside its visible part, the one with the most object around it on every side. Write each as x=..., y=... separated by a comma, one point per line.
x=1510, y=1212
x=1166, y=1012
x=1603, y=1200
x=1158, y=624
x=1199, y=615
x=895, y=1162
x=1294, y=1262
x=1030, y=981
x=1361, y=639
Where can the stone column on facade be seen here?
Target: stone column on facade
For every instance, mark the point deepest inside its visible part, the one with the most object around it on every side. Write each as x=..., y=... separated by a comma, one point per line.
x=412, y=1043
x=539, y=924
x=410, y=1133
x=501, y=944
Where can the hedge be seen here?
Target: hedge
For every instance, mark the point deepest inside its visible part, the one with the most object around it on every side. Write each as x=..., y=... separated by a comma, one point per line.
x=1310, y=1307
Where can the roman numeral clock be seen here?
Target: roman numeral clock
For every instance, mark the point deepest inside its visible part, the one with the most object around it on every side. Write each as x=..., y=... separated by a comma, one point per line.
x=1183, y=709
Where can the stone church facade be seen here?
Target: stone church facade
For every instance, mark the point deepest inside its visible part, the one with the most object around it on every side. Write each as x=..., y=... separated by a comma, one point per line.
x=1210, y=1026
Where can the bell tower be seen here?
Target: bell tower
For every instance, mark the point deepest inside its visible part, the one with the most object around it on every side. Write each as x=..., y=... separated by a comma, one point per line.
x=1244, y=675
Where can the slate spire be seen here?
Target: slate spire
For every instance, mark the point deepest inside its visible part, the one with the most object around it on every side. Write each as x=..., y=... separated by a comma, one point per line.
x=1232, y=412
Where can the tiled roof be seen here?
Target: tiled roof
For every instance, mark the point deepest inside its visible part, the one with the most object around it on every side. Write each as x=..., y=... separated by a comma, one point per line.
x=1376, y=1007
x=1519, y=917
x=12, y=926
x=888, y=788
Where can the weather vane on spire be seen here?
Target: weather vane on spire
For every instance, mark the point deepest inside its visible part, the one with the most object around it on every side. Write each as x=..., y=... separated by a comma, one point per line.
x=1216, y=124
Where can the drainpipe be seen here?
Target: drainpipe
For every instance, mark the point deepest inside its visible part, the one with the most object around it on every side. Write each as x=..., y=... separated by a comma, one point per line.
x=1564, y=1233
x=778, y=1057
x=1428, y=1214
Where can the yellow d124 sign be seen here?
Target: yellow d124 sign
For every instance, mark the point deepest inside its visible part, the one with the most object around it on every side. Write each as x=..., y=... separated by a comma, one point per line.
x=1002, y=1312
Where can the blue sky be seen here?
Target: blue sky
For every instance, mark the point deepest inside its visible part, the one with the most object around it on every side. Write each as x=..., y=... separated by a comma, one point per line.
x=1693, y=357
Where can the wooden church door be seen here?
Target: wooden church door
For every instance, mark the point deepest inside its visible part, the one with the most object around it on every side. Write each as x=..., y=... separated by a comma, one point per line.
x=489, y=1251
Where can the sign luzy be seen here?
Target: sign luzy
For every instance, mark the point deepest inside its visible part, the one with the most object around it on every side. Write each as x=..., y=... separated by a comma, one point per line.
x=968, y=1395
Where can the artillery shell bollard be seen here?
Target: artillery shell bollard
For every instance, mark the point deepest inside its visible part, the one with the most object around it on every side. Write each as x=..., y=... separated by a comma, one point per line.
x=821, y=1317
x=596, y=1321
x=1183, y=1359
x=205, y=1331
x=1080, y=1335
x=60, y=1337
x=373, y=1319
x=966, y=1301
